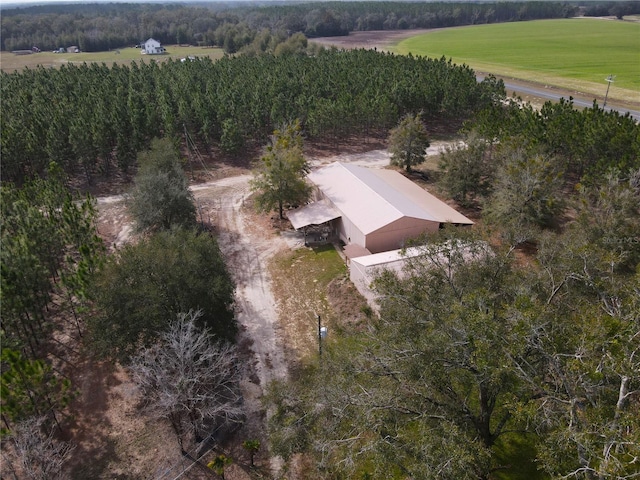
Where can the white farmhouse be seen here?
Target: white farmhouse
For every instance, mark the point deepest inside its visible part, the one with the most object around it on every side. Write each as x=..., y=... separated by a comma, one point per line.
x=152, y=47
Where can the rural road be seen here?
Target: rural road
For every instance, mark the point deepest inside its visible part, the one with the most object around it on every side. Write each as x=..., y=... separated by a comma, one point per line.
x=247, y=252
x=555, y=96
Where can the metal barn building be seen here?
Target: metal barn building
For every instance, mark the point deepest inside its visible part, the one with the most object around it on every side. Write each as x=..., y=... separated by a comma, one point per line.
x=372, y=210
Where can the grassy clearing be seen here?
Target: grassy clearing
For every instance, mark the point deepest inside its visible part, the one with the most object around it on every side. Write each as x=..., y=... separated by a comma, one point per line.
x=571, y=53
x=300, y=282
x=10, y=62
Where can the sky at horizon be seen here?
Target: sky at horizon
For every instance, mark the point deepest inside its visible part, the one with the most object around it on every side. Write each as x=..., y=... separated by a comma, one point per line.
x=11, y=3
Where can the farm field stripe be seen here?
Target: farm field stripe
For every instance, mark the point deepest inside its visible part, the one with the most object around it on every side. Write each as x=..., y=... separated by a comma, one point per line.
x=578, y=53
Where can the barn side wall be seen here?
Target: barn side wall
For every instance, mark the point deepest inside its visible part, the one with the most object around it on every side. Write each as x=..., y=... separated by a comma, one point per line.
x=396, y=234
x=359, y=276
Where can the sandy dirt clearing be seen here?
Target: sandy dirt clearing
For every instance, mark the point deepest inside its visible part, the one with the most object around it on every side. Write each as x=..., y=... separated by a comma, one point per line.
x=373, y=158
x=247, y=251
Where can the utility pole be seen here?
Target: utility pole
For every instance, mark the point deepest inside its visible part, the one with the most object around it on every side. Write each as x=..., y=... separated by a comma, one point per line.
x=319, y=337
x=322, y=333
x=186, y=141
x=609, y=81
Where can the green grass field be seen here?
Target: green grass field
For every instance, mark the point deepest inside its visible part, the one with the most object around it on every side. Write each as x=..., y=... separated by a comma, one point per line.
x=572, y=53
x=10, y=62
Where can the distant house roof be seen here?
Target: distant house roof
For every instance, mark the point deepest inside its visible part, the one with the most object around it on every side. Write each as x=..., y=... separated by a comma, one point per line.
x=373, y=198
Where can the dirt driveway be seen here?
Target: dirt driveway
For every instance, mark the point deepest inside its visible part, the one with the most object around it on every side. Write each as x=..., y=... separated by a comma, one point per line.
x=248, y=242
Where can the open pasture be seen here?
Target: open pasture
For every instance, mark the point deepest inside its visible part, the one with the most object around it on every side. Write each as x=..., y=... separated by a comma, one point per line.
x=10, y=62
x=577, y=54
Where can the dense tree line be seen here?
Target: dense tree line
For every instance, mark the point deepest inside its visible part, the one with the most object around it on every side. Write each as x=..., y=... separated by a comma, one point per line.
x=587, y=143
x=50, y=249
x=93, y=119
x=50, y=252
x=617, y=9
x=107, y=26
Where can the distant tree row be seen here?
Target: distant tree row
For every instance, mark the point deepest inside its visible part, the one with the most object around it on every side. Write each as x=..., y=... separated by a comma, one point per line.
x=109, y=26
x=93, y=119
x=617, y=9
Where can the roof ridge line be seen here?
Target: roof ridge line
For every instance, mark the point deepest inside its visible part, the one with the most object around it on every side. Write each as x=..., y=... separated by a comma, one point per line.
x=369, y=187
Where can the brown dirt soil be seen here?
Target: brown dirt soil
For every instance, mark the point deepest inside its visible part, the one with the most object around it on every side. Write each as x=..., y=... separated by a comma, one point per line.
x=347, y=303
x=377, y=39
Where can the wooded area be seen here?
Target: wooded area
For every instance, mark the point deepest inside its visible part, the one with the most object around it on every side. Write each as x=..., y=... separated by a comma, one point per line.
x=505, y=351
x=94, y=119
x=513, y=347
x=103, y=27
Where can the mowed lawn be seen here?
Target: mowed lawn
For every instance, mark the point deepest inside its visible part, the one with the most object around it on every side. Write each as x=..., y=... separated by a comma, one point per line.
x=574, y=53
x=10, y=62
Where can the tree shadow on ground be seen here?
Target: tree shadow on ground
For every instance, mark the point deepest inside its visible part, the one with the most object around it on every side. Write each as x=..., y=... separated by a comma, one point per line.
x=89, y=430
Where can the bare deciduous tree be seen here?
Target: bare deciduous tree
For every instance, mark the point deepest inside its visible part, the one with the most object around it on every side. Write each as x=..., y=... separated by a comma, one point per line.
x=31, y=451
x=190, y=380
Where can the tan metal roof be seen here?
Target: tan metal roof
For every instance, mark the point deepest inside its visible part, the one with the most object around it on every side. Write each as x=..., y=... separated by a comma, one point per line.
x=353, y=250
x=315, y=213
x=373, y=198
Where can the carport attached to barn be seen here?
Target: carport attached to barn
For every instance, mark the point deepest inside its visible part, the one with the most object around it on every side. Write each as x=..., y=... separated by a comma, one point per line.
x=318, y=214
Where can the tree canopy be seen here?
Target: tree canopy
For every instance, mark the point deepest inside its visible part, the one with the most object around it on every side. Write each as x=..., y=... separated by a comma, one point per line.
x=279, y=175
x=160, y=198
x=525, y=193
x=467, y=170
x=144, y=286
x=104, y=116
x=408, y=142
x=50, y=249
x=472, y=357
